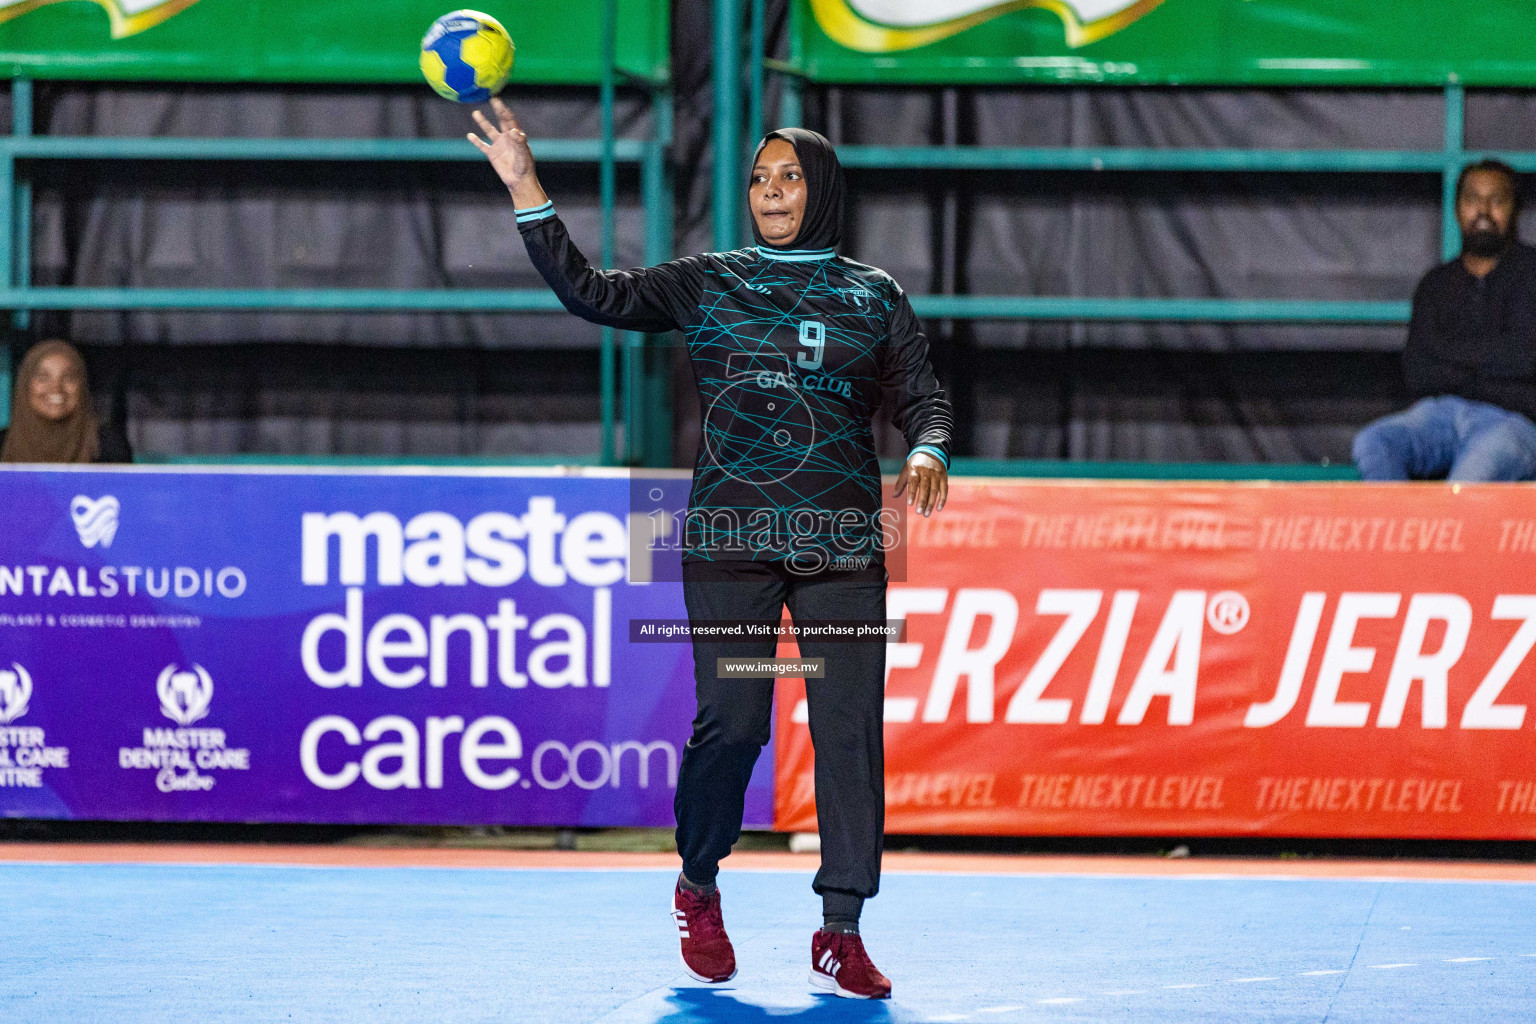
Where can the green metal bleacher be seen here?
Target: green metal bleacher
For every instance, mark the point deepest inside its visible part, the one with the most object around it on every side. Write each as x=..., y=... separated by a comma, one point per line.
x=628, y=373
x=632, y=386
x=1446, y=162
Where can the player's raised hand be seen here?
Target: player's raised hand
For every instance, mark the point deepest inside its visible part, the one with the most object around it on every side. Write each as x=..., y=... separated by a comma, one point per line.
x=506, y=146
x=925, y=482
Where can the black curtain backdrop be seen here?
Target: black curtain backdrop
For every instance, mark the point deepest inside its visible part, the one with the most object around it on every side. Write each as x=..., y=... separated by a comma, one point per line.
x=315, y=383
x=448, y=384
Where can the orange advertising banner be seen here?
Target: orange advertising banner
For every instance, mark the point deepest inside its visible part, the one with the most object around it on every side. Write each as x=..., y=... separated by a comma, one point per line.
x=1088, y=658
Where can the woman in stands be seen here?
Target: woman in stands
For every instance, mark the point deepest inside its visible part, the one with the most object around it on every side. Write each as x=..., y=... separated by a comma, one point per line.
x=52, y=416
x=794, y=348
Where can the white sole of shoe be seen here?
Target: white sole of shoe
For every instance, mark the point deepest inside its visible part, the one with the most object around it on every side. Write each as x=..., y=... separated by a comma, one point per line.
x=827, y=983
x=699, y=977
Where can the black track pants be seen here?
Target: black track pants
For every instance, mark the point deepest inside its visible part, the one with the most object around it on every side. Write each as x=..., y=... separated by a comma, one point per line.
x=732, y=725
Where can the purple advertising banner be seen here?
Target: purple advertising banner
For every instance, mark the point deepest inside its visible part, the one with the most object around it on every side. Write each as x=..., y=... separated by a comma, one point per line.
x=392, y=646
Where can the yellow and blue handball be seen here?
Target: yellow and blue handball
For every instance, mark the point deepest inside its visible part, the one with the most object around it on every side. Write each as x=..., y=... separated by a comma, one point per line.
x=466, y=56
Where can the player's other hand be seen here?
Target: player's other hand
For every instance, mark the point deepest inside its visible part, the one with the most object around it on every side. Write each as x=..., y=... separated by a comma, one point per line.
x=925, y=482
x=506, y=146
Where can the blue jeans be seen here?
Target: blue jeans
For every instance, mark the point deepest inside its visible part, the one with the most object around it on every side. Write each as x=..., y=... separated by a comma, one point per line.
x=1456, y=438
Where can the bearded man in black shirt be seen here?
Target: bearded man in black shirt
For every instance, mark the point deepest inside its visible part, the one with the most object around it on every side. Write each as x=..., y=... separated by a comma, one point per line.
x=1471, y=352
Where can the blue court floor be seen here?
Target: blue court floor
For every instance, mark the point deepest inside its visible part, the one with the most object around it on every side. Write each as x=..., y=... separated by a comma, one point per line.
x=168, y=943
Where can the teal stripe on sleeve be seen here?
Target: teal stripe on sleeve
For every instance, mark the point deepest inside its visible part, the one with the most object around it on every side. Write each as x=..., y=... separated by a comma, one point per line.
x=931, y=450
x=534, y=213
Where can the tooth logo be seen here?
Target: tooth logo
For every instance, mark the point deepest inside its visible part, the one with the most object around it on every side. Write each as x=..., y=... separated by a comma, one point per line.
x=184, y=696
x=15, y=691
x=95, y=521
x=886, y=26
x=128, y=17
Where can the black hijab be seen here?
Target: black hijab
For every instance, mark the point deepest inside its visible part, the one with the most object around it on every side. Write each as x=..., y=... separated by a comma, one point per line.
x=822, y=227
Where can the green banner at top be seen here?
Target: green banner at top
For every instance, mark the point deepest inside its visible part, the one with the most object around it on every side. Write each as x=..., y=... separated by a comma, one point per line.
x=558, y=41
x=1269, y=42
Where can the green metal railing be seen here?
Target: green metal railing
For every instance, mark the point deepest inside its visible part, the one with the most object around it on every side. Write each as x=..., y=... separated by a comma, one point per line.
x=1446, y=162
x=630, y=364
x=1291, y=472
x=633, y=380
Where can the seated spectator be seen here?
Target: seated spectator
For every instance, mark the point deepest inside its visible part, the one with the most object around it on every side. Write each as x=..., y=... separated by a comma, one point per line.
x=52, y=416
x=1471, y=352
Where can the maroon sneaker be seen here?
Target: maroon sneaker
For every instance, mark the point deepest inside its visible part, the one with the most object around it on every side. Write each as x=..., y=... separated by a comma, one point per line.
x=839, y=964
x=707, y=953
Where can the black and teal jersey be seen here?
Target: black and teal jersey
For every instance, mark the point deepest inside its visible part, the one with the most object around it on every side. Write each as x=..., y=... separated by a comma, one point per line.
x=792, y=352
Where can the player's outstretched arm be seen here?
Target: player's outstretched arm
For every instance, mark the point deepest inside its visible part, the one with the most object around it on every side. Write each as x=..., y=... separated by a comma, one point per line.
x=651, y=299
x=506, y=146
